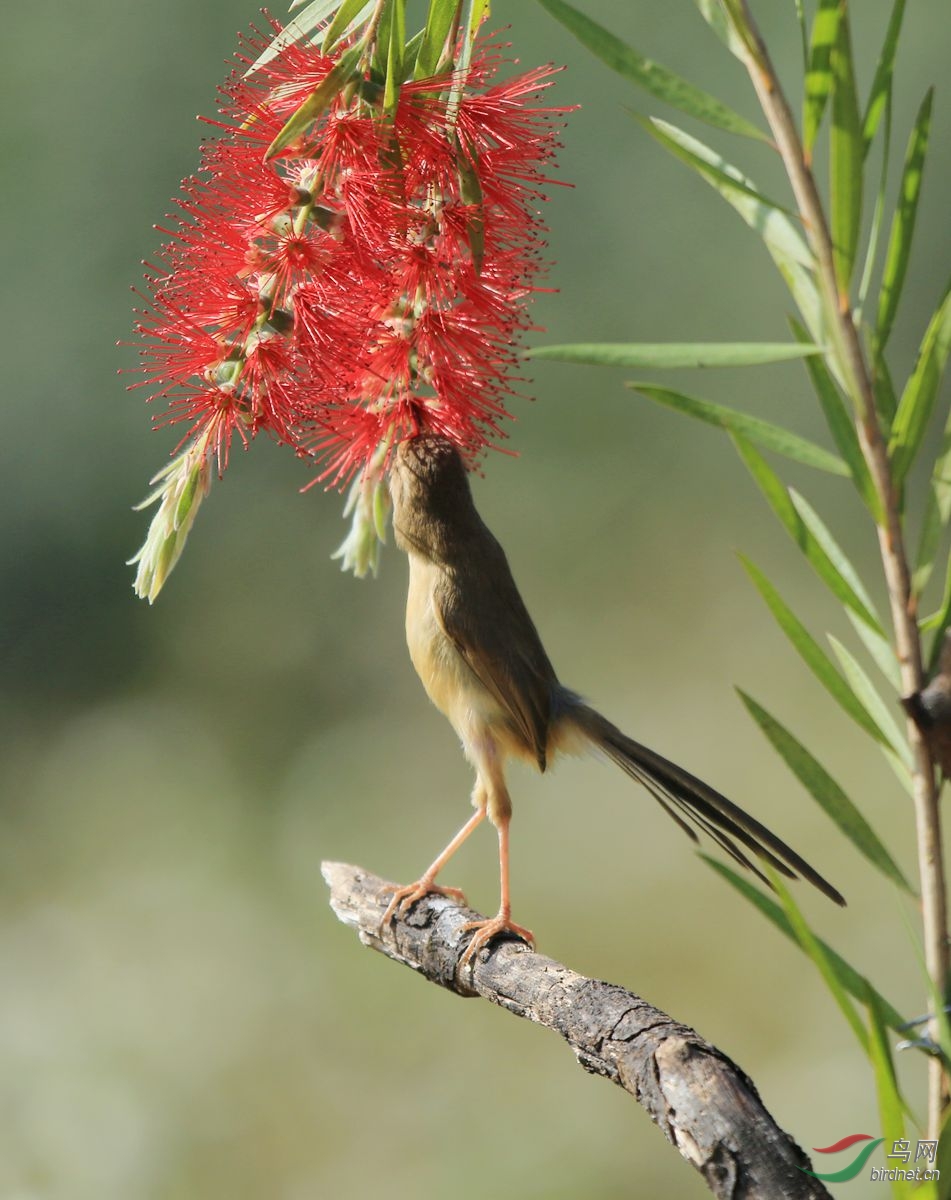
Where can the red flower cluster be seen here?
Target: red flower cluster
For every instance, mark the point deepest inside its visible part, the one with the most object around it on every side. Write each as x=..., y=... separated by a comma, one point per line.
x=365, y=284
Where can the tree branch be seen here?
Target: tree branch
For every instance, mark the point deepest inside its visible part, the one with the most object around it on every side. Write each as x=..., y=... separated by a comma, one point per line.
x=848, y=346
x=704, y=1104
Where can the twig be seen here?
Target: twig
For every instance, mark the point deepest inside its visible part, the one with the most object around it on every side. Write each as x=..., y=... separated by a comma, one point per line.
x=902, y=602
x=704, y=1104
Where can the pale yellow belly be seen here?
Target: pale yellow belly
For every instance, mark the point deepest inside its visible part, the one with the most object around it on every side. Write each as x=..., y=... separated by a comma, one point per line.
x=449, y=681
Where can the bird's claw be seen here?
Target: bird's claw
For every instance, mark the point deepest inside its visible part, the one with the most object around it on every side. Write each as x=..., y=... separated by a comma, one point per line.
x=485, y=931
x=405, y=897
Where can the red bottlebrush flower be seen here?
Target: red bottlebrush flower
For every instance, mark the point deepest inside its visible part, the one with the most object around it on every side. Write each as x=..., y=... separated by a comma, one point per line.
x=365, y=284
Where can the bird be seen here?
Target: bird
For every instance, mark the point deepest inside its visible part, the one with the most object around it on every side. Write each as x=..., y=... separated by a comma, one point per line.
x=482, y=663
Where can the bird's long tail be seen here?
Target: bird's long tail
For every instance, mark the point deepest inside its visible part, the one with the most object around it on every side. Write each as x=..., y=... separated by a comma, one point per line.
x=686, y=798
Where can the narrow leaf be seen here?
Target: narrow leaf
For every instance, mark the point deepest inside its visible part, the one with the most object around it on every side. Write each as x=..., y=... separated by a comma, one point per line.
x=812, y=653
x=878, y=216
x=937, y=513
x=722, y=26
x=295, y=31
x=818, y=83
x=861, y=602
x=853, y=982
x=347, y=14
x=396, y=44
x=871, y=700
x=411, y=54
x=773, y=222
x=891, y=1107
x=886, y=401
x=439, y=21
x=944, y=1162
x=882, y=83
x=880, y=650
x=918, y=399
x=903, y=223
x=317, y=102
x=661, y=82
x=664, y=355
x=780, y=232
x=901, y=772
x=470, y=190
x=816, y=951
x=806, y=529
x=840, y=421
x=773, y=437
x=825, y=791
x=847, y=155
x=478, y=10
x=939, y=622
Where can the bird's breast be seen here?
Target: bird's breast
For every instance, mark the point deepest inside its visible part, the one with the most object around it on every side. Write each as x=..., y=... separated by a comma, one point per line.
x=449, y=681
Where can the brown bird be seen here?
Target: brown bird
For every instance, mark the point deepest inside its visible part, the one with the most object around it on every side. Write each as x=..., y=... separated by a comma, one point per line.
x=483, y=665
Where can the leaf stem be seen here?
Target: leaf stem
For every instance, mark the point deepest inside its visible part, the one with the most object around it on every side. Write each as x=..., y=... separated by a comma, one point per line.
x=847, y=346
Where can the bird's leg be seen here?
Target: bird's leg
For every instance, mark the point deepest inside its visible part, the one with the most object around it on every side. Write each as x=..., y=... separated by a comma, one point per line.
x=405, y=897
x=502, y=922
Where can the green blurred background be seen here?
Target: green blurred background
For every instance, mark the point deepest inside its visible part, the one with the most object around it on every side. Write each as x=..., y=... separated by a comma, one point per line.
x=180, y=1014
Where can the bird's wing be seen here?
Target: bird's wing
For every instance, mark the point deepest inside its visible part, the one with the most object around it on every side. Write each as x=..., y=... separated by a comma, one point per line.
x=485, y=618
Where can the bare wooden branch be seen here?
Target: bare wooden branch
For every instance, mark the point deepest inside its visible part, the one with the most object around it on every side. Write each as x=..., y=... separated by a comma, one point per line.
x=704, y=1104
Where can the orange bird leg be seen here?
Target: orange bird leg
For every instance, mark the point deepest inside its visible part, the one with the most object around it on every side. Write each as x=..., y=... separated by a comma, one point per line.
x=405, y=897
x=485, y=931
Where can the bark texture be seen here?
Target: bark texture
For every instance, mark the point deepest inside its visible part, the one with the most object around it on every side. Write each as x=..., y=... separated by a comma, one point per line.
x=703, y=1103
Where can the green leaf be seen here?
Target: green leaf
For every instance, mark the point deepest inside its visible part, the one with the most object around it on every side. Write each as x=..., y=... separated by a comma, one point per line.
x=722, y=26
x=780, y=232
x=943, y=1161
x=878, y=214
x=939, y=622
x=812, y=653
x=395, y=48
x=411, y=54
x=859, y=602
x=803, y=32
x=891, y=1107
x=937, y=513
x=903, y=222
x=347, y=14
x=879, y=648
x=317, y=102
x=478, y=9
x=807, y=530
x=826, y=792
x=815, y=949
x=847, y=156
x=295, y=31
x=661, y=82
x=470, y=190
x=932, y=529
x=871, y=700
x=771, y=220
x=439, y=22
x=818, y=82
x=882, y=83
x=773, y=437
x=853, y=982
x=663, y=355
x=886, y=402
x=918, y=399
x=840, y=421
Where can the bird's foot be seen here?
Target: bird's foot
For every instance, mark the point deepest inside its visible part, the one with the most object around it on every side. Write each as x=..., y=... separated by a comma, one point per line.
x=405, y=897
x=485, y=931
